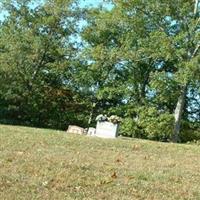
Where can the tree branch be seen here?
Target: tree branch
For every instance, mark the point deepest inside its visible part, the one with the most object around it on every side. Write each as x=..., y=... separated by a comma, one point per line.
x=38, y=66
x=196, y=7
x=196, y=50
x=155, y=23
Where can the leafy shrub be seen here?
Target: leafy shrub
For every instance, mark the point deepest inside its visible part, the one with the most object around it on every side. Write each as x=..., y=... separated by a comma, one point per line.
x=150, y=124
x=157, y=125
x=189, y=132
x=129, y=128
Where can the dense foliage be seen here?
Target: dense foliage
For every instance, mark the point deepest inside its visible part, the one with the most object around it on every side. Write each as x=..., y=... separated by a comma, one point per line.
x=61, y=63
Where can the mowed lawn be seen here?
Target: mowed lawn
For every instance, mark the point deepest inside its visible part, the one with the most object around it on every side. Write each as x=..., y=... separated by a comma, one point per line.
x=47, y=164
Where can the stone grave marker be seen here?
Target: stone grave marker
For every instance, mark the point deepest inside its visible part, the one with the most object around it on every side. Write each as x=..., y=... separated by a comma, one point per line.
x=106, y=129
x=75, y=129
x=91, y=131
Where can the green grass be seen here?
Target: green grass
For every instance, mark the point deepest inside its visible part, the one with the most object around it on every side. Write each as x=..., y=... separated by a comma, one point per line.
x=46, y=164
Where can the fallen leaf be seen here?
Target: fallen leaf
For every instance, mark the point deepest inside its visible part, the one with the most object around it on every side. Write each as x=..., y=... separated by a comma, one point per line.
x=114, y=175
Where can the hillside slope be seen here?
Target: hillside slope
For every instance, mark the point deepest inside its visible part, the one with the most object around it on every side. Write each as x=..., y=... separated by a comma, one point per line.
x=46, y=164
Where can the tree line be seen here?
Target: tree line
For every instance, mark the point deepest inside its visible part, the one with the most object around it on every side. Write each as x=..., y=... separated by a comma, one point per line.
x=62, y=63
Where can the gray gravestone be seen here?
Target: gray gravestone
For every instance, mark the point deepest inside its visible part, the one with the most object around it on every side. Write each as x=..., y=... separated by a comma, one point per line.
x=91, y=131
x=107, y=130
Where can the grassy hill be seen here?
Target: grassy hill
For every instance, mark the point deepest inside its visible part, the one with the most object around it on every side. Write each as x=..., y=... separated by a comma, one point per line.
x=46, y=164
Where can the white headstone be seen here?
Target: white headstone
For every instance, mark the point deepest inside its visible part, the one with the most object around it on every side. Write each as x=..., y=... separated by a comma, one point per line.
x=91, y=131
x=106, y=130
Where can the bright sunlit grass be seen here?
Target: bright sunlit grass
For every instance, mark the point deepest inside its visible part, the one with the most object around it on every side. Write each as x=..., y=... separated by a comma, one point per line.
x=47, y=164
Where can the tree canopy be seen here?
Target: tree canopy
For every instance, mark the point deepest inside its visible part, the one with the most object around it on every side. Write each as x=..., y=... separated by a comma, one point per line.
x=61, y=63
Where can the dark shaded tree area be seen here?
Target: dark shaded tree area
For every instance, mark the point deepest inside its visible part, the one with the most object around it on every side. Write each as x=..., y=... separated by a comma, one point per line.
x=37, y=61
x=61, y=64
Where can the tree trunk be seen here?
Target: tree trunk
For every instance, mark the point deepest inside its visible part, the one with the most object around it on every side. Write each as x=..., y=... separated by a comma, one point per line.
x=181, y=100
x=91, y=114
x=196, y=7
x=178, y=114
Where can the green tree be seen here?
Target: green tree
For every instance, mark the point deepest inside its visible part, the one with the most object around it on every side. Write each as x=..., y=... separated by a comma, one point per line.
x=37, y=58
x=150, y=49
